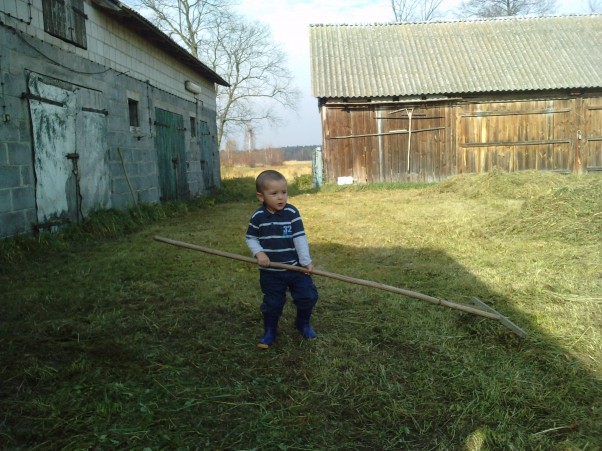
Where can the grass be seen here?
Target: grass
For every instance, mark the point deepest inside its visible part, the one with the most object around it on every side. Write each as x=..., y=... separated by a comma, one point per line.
x=111, y=340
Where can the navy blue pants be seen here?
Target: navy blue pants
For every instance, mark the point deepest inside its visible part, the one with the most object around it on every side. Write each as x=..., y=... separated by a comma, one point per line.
x=274, y=285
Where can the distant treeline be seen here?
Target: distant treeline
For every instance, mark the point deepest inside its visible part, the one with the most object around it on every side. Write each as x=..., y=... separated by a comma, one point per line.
x=273, y=156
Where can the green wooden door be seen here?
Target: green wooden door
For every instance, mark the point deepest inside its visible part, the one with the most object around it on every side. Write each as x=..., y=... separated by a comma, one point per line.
x=171, y=155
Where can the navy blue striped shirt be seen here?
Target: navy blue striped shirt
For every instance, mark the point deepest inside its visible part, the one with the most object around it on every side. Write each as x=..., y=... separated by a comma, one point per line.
x=280, y=235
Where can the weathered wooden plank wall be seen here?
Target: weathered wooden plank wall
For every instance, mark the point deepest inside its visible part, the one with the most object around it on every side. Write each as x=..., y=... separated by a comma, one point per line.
x=426, y=142
x=592, y=134
x=375, y=143
x=516, y=136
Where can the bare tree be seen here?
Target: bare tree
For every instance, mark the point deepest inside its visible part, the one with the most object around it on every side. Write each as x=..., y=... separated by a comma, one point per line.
x=500, y=8
x=594, y=6
x=415, y=10
x=185, y=21
x=404, y=10
x=242, y=53
x=245, y=54
x=430, y=9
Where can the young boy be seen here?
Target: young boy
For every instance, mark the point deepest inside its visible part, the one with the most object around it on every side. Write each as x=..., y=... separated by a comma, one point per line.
x=276, y=234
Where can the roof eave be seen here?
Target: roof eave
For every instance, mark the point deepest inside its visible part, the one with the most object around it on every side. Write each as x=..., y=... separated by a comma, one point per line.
x=141, y=26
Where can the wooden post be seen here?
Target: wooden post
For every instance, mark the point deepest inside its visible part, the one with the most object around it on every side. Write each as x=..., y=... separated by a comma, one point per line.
x=580, y=163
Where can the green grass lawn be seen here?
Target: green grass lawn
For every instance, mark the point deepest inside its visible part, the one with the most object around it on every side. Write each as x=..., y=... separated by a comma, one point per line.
x=111, y=340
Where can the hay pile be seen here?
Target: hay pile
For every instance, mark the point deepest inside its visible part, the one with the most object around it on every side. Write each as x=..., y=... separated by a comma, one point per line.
x=554, y=206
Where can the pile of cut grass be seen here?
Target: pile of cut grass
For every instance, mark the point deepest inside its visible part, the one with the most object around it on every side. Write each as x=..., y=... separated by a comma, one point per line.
x=553, y=205
x=121, y=342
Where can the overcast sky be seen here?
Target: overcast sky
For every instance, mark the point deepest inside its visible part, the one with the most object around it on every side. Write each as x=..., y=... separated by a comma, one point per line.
x=289, y=21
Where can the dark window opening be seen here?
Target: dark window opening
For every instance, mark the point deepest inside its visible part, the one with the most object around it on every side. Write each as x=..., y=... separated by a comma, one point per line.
x=66, y=20
x=192, y=127
x=133, y=108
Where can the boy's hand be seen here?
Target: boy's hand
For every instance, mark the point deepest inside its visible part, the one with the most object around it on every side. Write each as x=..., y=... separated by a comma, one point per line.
x=309, y=268
x=262, y=259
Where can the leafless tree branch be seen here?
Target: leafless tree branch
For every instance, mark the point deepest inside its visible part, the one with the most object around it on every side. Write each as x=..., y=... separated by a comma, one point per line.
x=501, y=8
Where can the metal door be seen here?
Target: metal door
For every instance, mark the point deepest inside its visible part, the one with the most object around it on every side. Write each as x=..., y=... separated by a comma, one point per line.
x=171, y=154
x=70, y=152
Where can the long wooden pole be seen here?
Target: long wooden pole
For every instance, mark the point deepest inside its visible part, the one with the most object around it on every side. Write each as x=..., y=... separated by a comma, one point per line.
x=484, y=311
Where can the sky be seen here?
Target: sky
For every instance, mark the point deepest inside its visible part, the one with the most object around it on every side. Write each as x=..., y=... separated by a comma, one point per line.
x=289, y=22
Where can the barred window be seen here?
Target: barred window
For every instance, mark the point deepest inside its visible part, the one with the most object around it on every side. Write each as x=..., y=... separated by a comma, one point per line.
x=66, y=20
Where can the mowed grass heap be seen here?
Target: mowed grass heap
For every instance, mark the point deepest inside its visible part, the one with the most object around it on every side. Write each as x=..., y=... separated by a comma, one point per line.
x=111, y=340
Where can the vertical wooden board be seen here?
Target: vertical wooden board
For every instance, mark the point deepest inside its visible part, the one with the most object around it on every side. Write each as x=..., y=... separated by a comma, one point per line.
x=356, y=129
x=386, y=142
x=439, y=141
x=592, y=133
x=460, y=138
x=359, y=145
x=594, y=155
x=342, y=145
x=450, y=149
x=326, y=143
x=432, y=145
x=331, y=146
x=419, y=150
x=389, y=121
x=374, y=171
x=331, y=152
x=347, y=166
x=375, y=168
x=483, y=163
x=359, y=154
x=338, y=127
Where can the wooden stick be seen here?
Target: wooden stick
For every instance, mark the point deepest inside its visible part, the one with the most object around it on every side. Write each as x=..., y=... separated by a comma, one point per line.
x=486, y=311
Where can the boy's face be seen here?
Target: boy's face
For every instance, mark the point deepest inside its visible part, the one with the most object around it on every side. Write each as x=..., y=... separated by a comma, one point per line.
x=274, y=195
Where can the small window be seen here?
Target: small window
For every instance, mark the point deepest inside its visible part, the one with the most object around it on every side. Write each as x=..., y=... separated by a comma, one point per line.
x=192, y=126
x=66, y=20
x=133, y=108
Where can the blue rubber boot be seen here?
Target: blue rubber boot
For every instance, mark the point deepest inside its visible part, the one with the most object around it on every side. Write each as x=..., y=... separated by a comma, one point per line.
x=303, y=326
x=270, y=331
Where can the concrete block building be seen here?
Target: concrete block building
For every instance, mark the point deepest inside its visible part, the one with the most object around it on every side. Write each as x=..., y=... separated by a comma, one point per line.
x=98, y=109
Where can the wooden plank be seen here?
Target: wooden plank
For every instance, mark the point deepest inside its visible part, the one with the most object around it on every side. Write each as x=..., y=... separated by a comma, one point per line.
x=394, y=132
x=516, y=143
x=516, y=113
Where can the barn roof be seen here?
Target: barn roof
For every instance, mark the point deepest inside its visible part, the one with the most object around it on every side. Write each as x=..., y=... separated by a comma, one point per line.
x=471, y=56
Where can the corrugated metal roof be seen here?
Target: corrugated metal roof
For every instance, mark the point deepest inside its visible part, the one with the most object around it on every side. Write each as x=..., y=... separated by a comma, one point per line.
x=430, y=58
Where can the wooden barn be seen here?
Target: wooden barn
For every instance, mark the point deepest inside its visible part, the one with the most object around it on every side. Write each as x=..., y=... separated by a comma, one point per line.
x=426, y=101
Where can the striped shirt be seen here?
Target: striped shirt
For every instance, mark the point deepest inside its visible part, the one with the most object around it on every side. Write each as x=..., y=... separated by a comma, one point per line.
x=280, y=235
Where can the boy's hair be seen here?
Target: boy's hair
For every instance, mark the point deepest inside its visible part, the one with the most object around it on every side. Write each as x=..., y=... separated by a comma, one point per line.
x=267, y=176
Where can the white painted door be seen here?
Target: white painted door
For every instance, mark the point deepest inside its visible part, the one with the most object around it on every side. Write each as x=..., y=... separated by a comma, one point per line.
x=70, y=151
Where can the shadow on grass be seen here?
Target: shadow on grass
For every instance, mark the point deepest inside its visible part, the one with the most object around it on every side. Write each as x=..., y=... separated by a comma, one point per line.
x=133, y=343
x=454, y=380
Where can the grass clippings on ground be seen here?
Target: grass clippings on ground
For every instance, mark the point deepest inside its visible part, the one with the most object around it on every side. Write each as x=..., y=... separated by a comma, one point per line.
x=111, y=340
